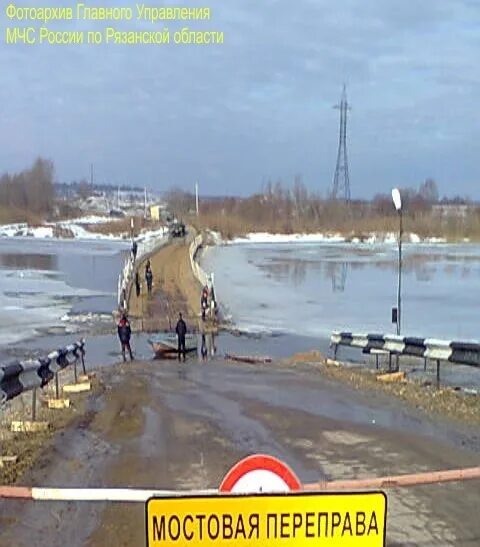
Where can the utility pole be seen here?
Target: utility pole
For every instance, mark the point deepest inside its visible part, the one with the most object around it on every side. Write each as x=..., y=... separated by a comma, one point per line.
x=196, y=197
x=341, y=179
x=91, y=175
x=145, y=204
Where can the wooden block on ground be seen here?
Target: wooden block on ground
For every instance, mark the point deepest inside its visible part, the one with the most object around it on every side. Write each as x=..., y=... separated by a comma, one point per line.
x=7, y=459
x=392, y=377
x=332, y=362
x=77, y=388
x=86, y=377
x=58, y=403
x=28, y=427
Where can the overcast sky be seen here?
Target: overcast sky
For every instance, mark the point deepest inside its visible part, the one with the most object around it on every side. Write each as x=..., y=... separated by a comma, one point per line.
x=259, y=106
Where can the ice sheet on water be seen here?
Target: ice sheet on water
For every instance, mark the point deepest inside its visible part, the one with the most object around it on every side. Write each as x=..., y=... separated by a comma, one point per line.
x=31, y=301
x=42, y=281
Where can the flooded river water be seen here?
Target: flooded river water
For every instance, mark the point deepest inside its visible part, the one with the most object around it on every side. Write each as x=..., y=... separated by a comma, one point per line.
x=43, y=283
x=313, y=289
x=309, y=290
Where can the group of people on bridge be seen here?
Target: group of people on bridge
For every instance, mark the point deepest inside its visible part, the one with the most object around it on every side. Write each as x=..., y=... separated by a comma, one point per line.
x=208, y=306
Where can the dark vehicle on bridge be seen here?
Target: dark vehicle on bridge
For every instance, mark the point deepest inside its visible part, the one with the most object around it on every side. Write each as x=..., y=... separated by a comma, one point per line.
x=177, y=229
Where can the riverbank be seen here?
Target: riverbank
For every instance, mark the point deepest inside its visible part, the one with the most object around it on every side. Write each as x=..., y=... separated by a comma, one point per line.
x=236, y=218
x=445, y=402
x=27, y=447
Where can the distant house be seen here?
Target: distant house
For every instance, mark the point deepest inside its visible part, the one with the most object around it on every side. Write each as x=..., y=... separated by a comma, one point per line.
x=155, y=212
x=452, y=210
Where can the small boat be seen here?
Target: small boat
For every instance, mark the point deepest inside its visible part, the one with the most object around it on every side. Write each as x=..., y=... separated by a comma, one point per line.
x=166, y=344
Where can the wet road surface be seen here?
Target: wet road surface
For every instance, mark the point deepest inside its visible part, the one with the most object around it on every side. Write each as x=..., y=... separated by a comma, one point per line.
x=168, y=425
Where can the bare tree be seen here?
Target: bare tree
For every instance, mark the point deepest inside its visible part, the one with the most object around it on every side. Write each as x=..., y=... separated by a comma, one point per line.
x=30, y=190
x=429, y=191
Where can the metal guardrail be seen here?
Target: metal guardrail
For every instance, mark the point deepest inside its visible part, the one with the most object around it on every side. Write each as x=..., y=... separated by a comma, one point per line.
x=460, y=353
x=202, y=277
x=21, y=376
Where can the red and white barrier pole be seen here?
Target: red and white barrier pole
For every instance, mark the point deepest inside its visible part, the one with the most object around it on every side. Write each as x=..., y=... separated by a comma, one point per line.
x=139, y=495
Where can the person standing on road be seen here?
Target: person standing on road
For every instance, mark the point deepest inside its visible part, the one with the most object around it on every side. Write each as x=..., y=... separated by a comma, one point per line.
x=213, y=304
x=204, y=301
x=149, y=277
x=181, y=330
x=137, y=284
x=124, y=333
x=134, y=250
x=203, y=349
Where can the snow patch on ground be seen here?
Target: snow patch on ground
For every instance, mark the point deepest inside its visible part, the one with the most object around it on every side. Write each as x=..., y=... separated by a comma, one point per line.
x=435, y=240
x=372, y=238
x=77, y=228
x=89, y=219
x=47, y=231
x=265, y=237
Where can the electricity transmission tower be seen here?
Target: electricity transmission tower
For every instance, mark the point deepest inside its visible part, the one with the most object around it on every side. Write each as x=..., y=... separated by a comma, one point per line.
x=341, y=179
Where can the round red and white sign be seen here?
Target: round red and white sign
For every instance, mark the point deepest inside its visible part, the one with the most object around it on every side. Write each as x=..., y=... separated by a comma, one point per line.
x=260, y=473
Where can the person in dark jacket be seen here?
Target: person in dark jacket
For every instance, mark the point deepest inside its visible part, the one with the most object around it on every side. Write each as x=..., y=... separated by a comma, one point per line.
x=204, y=302
x=134, y=250
x=213, y=304
x=137, y=284
x=181, y=330
x=149, y=278
x=124, y=333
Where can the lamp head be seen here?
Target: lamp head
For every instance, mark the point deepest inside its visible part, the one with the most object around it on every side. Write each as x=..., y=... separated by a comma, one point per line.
x=397, y=199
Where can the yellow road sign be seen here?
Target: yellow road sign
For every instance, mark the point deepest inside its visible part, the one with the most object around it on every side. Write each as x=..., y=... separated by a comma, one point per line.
x=333, y=520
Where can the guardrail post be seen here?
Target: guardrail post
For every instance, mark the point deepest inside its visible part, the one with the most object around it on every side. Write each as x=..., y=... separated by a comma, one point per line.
x=75, y=369
x=376, y=360
x=335, y=349
x=57, y=387
x=438, y=373
x=389, y=362
x=34, y=404
x=425, y=364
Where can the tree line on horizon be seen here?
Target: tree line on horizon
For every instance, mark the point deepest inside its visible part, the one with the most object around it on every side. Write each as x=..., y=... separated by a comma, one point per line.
x=289, y=209
x=32, y=194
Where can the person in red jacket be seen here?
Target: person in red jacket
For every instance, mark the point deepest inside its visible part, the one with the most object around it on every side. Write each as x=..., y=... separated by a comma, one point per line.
x=124, y=334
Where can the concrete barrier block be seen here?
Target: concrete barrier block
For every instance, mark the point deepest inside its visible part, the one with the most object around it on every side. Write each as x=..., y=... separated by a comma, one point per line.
x=86, y=377
x=58, y=404
x=8, y=460
x=392, y=377
x=77, y=388
x=28, y=427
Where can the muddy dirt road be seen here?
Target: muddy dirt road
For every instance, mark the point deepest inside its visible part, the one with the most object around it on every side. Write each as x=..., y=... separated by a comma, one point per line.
x=175, y=289
x=170, y=425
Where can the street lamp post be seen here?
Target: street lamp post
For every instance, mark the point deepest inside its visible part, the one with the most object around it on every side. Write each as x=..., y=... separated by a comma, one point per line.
x=397, y=201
